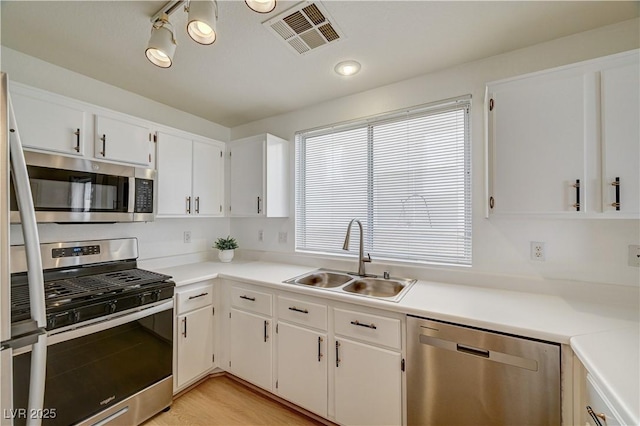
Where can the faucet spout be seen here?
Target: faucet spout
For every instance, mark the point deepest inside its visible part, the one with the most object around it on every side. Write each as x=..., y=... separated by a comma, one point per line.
x=361, y=259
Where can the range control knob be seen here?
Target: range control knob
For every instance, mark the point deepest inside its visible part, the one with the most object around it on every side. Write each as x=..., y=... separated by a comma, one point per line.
x=51, y=322
x=74, y=316
x=155, y=296
x=111, y=307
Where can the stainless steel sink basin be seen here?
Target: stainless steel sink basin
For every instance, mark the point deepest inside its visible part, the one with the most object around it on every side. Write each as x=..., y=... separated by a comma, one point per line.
x=324, y=279
x=390, y=289
x=376, y=287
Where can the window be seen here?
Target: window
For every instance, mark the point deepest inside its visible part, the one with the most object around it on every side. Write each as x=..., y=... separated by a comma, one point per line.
x=406, y=176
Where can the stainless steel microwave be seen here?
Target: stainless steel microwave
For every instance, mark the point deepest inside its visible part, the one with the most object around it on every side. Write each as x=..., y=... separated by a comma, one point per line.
x=76, y=190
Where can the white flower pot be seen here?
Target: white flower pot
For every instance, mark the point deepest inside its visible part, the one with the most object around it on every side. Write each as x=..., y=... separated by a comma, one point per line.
x=225, y=256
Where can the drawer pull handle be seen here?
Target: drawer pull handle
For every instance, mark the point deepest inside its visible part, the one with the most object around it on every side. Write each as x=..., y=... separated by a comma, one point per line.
x=293, y=308
x=251, y=299
x=337, y=354
x=199, y=295
x=362, y=324
x=319, y=349
x=596, y=416
x=266, y=336
x=184, y=332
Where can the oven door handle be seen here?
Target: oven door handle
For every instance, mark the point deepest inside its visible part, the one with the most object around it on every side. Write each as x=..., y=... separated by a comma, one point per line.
x=109, y=322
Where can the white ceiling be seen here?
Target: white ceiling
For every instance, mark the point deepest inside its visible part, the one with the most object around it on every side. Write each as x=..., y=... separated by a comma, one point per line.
x=247, y=74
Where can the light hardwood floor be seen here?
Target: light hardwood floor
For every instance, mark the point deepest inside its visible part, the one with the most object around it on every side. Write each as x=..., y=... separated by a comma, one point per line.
x=224, y=401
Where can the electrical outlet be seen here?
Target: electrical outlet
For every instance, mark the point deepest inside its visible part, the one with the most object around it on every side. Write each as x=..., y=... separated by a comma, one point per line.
x=634, y=255
x=282, y=237
x=537, y=251
x=187, y=236
x=261, y=235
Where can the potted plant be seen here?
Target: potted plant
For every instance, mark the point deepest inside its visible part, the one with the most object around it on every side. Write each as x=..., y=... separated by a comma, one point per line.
x=226, y=247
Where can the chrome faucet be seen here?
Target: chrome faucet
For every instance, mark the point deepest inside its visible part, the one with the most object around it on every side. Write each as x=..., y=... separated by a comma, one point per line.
x=361, y=258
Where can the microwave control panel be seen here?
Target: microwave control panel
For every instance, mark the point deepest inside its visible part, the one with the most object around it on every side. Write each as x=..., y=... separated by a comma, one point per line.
x=144, y=196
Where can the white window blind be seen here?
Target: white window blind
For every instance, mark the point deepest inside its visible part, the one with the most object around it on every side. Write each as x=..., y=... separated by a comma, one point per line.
x=406, y=177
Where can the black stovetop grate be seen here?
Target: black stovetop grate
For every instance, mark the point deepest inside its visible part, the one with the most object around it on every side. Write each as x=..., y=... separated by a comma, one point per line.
x=65, y=290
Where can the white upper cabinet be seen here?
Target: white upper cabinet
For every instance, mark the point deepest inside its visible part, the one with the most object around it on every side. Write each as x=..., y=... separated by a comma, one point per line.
x=620, y=93
x=259, y=176
x=558, y=139
x=208, y=178
x=57, y=124
x=122, y=139
x=190, y=176
x=50, y=122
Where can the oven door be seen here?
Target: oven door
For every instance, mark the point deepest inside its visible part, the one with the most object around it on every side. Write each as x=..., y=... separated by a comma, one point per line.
x=93, y=368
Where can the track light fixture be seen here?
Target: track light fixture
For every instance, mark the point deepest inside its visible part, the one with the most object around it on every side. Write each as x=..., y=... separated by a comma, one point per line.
x=202, y=21
x=261, y=6
x=162, y=44
x=201, y=26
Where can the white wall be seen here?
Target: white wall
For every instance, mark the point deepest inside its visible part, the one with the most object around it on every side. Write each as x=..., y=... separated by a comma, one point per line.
x=582, y=250
x=162, y=238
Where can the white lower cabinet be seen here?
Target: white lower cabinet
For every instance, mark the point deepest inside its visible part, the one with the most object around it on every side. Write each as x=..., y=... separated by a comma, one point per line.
x=368, y=368
x=340, y=361
x=193, y=334
x=367, y=384
x=251, y=348
x=302, y=367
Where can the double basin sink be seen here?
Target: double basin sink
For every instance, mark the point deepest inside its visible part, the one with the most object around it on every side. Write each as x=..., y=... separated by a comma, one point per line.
x=391, y=289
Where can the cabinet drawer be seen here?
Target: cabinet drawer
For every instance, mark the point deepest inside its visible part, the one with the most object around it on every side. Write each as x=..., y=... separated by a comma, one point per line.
x=600, y=406
x=250, y=300
x=367, y=327
x=301, y=312
x=194, y=298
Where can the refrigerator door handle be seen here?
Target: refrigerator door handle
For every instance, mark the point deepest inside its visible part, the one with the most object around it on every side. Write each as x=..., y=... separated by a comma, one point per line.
x=34, y=264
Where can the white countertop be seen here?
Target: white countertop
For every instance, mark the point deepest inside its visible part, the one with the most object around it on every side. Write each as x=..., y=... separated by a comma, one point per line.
x=612, y=358
x=603, y=337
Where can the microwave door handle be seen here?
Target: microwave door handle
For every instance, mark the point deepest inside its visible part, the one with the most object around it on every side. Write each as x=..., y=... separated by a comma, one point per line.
x=34, y=264
x=132, y=195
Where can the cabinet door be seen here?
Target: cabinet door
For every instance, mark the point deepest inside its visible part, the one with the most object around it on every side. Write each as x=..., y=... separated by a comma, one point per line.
x=49, y=125
x=302, y=367
x=247, y=177
x=174, y=175
x=538, y=143
x=367, y=384
x=195, y=345
x=208, y=178
x=250, y=348
x=123, y=141
x=620, y=97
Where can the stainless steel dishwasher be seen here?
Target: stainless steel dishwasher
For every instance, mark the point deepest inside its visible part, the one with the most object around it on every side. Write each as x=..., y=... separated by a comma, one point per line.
x=460, y=375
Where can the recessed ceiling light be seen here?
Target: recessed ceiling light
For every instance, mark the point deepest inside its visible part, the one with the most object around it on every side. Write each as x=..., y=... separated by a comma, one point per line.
x=347, y=68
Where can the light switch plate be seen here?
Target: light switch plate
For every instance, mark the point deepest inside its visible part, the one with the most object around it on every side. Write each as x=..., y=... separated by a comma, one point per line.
x=634, y=256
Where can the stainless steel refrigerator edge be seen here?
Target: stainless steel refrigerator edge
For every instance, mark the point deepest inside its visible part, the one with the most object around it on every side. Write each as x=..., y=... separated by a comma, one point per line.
x=29, y=332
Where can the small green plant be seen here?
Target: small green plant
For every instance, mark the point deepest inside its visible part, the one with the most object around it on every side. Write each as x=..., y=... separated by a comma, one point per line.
x=226, y=243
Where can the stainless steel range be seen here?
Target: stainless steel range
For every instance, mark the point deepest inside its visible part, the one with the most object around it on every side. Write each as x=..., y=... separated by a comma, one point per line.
x=110, y=334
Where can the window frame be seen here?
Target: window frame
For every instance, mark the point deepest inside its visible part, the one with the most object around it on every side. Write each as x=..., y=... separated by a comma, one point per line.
x=459, y=103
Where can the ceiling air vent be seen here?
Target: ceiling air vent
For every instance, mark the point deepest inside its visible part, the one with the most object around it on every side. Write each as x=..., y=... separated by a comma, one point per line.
x=305, y=27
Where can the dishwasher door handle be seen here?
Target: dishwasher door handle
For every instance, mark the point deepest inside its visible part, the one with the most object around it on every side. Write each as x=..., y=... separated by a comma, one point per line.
x=472, y=351
x=495, y=356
